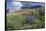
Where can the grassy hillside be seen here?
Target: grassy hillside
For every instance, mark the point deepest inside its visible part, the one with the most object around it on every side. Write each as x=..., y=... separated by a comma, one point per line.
x=16, y=20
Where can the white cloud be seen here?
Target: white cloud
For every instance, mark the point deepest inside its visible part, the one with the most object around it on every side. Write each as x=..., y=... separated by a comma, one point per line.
x=17, y=4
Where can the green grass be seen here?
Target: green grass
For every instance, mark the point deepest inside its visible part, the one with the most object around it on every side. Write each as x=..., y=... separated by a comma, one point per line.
x=15, y=21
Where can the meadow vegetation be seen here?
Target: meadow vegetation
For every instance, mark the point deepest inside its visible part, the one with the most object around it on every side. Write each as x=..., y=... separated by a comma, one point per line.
x=17, y=20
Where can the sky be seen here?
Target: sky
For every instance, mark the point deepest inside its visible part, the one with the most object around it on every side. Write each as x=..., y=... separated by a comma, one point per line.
x=11, y=4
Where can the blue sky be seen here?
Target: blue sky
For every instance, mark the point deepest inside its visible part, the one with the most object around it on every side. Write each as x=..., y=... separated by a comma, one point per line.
x=11, y=6
x=9, y=0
